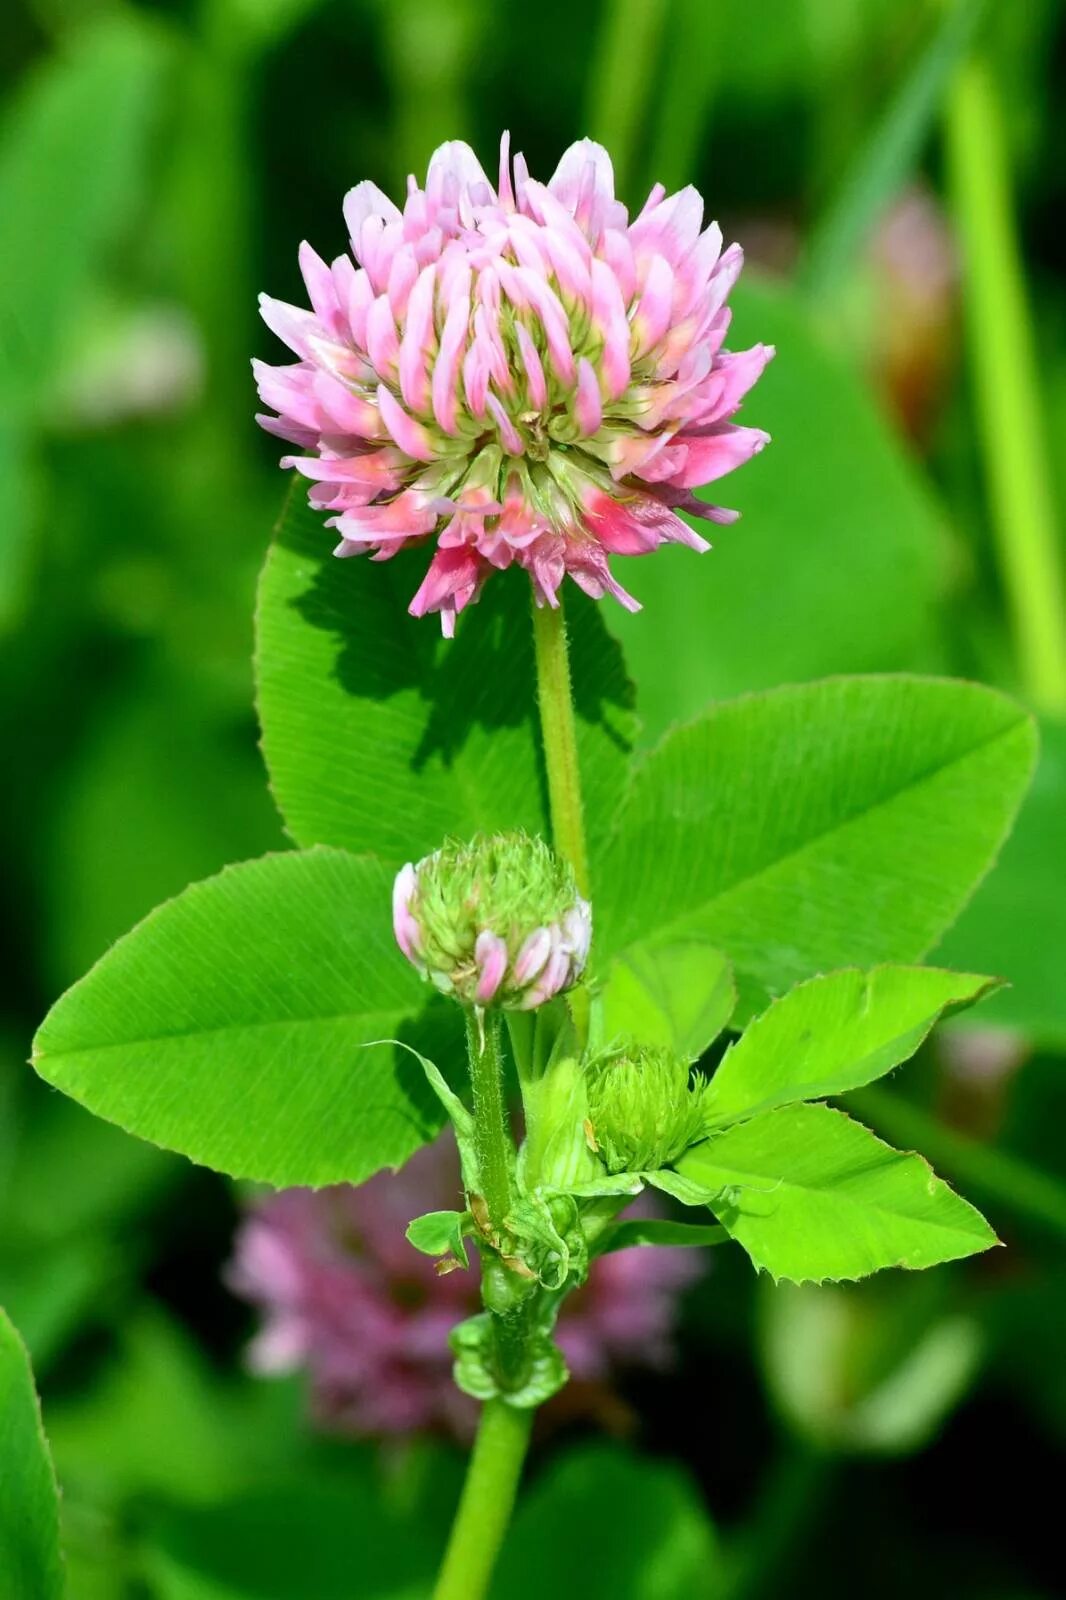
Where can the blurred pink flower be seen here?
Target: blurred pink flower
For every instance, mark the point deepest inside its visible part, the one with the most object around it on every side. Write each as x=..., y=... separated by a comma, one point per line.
x=344, y=1296
x=521, y=372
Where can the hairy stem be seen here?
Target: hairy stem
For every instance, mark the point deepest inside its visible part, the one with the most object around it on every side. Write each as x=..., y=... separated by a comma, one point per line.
x=1006, y=385
x=503, y=1433
x=560, y=739
x=492, y=1137
x=503, y=1295
x=487, y=1502
x=560, y=758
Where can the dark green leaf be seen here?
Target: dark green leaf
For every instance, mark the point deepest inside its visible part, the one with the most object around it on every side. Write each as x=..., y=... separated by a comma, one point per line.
x=382, y=736
x=815, y=827
x=31, y=1567
x=230, y=1025
x=1017, y=922
x=603, y=1524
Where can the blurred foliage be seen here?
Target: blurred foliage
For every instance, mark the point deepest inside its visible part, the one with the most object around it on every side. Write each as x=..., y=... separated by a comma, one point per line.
x=159, y=162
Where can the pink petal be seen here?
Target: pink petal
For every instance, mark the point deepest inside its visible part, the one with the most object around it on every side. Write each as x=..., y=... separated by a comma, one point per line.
x=445, y=382
x=588, y=407
x=720, y=452
x=367, y=200
x=292, y=324
x=409, y=434
x=490, y=953
x=403, y=922
x=532, y=956
x=536, y=386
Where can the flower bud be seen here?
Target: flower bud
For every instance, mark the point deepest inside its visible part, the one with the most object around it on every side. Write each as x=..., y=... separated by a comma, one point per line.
x=644, y=1108
x=497, y=921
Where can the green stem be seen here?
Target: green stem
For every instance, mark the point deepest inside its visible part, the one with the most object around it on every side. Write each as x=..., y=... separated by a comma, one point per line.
x=492, y=1138
x=1006, y=385
x=560, y=739
x=487, y=1502
x=560, y=759
x=495, y=1159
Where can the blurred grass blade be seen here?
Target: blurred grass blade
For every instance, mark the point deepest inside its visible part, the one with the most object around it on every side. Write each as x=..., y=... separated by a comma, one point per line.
x=888, y=155
x=621, y=78
x=692, y=57
x=1001, y=343
x=429, y=53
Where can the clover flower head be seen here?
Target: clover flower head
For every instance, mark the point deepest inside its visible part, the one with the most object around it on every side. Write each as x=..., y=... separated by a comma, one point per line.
x=520, y=373
x=645, y=1107
x=496, y=921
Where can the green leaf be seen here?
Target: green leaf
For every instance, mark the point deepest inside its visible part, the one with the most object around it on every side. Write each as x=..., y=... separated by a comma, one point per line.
x=440, y=1233
x=832, y=1034
x=604, y=1524
x=653, y=1230
x=1007, y=1180
x=155, y=1384
x=230, y=1026
x=73, y=156
x=318, y=1535
x=673, y=992
x=812, y=1195
x=815, y=827
x=689, y=1190
x=1017, y=922
x=839, y=560
x=113, y=850
x=31, y=1566
x=381, y=736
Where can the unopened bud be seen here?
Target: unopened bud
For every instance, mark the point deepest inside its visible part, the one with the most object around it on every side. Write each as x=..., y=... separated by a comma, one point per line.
x=497, y=921
x=645, y=1108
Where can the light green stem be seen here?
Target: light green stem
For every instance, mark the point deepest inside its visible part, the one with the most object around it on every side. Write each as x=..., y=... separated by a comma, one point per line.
x=487, y=1502
x=560, y=759
x=492, y=1478
x=560, y=739
x=1006, y=385
x=491, y=1136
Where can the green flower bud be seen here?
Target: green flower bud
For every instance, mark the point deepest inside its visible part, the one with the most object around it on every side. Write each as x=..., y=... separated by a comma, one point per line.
x=497, y=921
x=645, y=1108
